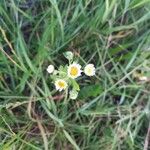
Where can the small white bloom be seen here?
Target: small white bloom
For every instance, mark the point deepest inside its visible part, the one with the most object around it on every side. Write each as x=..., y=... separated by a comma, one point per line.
x=60, y=84
x=68, y=55
x=143, y=78
x=73, y=94
x=50, y=69
x=74, y=70
x=89, y=70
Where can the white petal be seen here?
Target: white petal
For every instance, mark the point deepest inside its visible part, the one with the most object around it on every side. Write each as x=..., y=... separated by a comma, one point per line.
x=50, y=69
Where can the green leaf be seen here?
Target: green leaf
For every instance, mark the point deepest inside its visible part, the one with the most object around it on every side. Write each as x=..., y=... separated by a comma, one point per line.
x=102, y=110
x=62, y=71
x=91, y=90
x=75, y=85
x=71, y=140
x=119, y=50
x=138, y=3
x=63, y=68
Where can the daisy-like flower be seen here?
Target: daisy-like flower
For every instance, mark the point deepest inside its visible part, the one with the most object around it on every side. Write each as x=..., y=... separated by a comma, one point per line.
x=74, y=70
x=60, y=84
x=89, y=70
x=50, y=69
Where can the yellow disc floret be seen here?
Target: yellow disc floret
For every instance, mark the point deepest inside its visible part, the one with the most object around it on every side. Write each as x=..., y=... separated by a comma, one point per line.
x=60, y=84
x=74, y=70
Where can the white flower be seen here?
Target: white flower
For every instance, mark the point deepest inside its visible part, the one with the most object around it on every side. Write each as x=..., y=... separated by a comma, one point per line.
x=73, y=94
x=143, y=78
x=50, y=69
x=60, y=84
x=68, y=55
x=89, y=70
x=74, y=70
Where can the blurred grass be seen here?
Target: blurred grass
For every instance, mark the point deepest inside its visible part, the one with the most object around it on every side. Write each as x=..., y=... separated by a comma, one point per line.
x=112, y=34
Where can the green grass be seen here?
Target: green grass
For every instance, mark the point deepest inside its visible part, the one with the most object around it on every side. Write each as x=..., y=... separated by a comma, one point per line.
x=112, y=111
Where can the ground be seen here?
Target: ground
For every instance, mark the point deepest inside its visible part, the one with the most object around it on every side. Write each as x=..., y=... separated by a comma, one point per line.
x=112, y=111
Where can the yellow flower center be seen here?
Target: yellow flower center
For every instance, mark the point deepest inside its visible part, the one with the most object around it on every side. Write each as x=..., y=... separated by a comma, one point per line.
x=73, y=71
x=61, y=84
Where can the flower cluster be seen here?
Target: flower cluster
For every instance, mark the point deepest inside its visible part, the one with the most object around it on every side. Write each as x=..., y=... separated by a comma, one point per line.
x=65, y=76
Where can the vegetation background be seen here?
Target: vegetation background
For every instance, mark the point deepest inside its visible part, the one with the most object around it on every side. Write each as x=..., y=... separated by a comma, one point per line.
x=112, y=111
